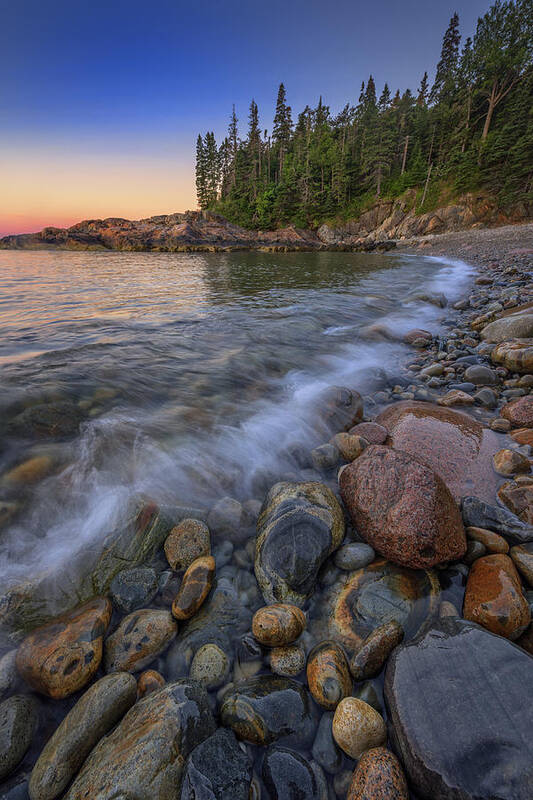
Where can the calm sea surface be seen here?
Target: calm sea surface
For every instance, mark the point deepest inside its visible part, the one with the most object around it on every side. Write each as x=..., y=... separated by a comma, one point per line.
x=196, y=375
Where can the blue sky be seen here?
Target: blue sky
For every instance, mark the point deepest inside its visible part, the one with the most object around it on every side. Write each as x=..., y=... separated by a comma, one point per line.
x=113, y=94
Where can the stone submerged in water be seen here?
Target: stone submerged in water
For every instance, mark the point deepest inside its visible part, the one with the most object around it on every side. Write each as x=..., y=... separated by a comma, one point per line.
x=368, y=661
x=378, y=776
x=58, y=419
x=451, y=443
x=358, y=727
x=217, y=768
x=354, y=555
x=328, y=675
x=140, y=637
x=362, y=601
x=478, y=514
x=186, y=542
x=133, y=588
x=145, y=754
x=278, y=624
x=300, y=525
x=288, y=660
x=18, y=721
x=402, y=508
x=509, y=462
x=61, y=657
x=195, y=586
x=463, y=728
x=268, y=708
x=325, y=751
x=95, y=713
x=210, y=666
x=288, y=775
x=519, y=412
x=340, y=408
x=494, y=599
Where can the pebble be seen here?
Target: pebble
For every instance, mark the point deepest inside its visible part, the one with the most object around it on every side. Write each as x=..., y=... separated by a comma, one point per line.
x=227, y=517
x=357, y=727
x=278, y=624
x=480, y=375
x=288, y=775
x=133, y=588
x=494, y=599
x=149, y=681
x=29, y=472
x=218, y=769
x=447, y=609
x=195, y=587
x=522, y=556
x=369, y=659
x=456, y=398
x=18, y=722
x=510, y=462
x=474, y=550
x=325, y=751
x=139, y=639
x=8, y=671
x=350, y=446
x=370, y=431
x=186, y=542
x=492, y=542
x=325, y=457
x=500, y=425
x=519, y=412
x=288, y=660
x=354, y=556
x=486, y=397
x=328, y=674
x=378, y=776
x=210, y=666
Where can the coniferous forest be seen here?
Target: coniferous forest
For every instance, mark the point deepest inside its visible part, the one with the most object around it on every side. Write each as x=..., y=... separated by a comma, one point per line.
x=469, y=130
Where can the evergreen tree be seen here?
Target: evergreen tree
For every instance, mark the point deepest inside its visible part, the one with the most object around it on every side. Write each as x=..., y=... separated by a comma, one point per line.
x=447, y=67
x=201, y=174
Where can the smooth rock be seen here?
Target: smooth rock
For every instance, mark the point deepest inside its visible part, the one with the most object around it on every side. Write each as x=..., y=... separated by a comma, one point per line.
x=518, y=498
x=194, y=588
x=350, y=446
x=340, y=408
x=217, y=769
x=328, y=675
x=509, y=326
x=133, y=588
x=491, y=541
x=210, y=666
x=472, y=683
x=452, y=444
x=61, y=657
x=8, y=671
x=144, y=756
x=149, y=681
x=227, y=517
x=58, y=419
x=456, y=397
x=278, y=624
x=354, y=556
x=268, y=708
x=371, y=431
x=288, y=775
x=18, y=722
x=522, y=556
x=300, y=525
x=378, y=776
x=516, y=355
x=519, y=412
x=29, y=472
x=402, y=508
x=186, y=542
x=325, y=751
x=523, y=436
x=358, y=727
x=494, y=599
x=478, y=514
x=288, y=660
x=368, y=660
x=325, y=457
x=95, y=713
x=139, y=639
x=510, y=462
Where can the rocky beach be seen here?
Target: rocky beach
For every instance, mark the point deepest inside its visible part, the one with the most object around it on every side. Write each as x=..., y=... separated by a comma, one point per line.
x=355, y=626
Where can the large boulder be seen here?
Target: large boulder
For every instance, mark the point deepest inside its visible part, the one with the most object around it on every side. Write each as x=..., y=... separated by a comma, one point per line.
x=494, y=598
x=516, y=355
x=144, y=756
x=402, y=508
x=454, y=445
x=460, y=715
x=300, y=525
x=217, y=768
x=510, y=326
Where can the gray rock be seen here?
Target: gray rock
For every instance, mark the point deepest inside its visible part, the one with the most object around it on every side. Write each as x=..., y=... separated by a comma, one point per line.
x=480, y=375
x=140, y=637
x=514, y=326
x=210, y=666
x=18, y=721
x=218, y=769
x=325, y=750
x=354, y=556
x=463, y=728
x=227, y=517
x=288, y=775
x=133, y=588
x=486, y=397
x=95, y=713
x=478, y=514
x=144, y=756
x=8, y=671
x=325, y=457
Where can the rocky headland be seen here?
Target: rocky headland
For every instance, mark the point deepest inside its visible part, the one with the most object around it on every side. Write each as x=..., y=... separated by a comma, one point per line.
x=363, y=633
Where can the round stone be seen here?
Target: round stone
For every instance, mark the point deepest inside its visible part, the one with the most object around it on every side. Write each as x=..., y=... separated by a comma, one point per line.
x=369, y=659
x=140, y=637
x=378, y=776
x=278, y=624
x=18, y=721
x=210, y=666
x=186, y=542
x=353, y=556
x=328, y=675
x=149, y=681
x=350, y=446
x=288, y=660
x=133, y=588
x=494, y=599
x=358, y=727
x=288, y=775
x=195, y=587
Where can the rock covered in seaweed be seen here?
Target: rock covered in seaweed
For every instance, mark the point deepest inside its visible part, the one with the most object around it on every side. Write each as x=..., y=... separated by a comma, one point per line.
x=299, y=526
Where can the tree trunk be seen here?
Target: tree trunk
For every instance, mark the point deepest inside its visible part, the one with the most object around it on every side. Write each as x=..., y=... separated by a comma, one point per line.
x=404, y=154
x=426, y=186
x=492, y=105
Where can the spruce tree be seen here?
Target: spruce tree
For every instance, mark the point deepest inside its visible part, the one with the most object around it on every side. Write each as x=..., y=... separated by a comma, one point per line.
x=201, y=173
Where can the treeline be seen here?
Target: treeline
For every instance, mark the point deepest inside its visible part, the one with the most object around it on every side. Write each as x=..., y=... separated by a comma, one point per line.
x=472, y=129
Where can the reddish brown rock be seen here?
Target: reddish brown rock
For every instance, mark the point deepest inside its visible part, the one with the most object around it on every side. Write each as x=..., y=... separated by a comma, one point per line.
x=510, y=462
x=149, y=681
x=523, y=436
x=490, y=540
x=519, y=412
x=378, y=776
x=402, y=508
x=328, y=675
x=494, y=598
x=371, y=431
x=454, y=445
x=518, y=498
x=195, y=587
x=417, y=335
x=62, y=656
x=526, y=640
x=455, y=397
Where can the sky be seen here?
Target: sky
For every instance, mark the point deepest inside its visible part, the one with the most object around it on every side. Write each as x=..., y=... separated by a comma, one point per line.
x=101, y=102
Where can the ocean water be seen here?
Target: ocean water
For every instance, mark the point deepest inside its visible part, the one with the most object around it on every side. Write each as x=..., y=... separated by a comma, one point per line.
x=196, y=375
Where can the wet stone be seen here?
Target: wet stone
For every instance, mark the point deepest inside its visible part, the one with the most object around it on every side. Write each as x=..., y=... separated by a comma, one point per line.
x=494, y=598
x=480, y=375
x=325, y=751
x=325, y=457
x=474, y=550
x=149, y=681
x=510, y=462
x=195, y=587
x=227, y=517
x=217, y=768
x=62, y=656
x=288, y=775
x=210, y=666
x=8, y=671
x=460, y=688
x=186, y=542
x=138, y=640
x=358, y=727
x=340, y=408
x=371, y=431
x=350, y=446
x=354, y=556
x=478, y=514
x=278, y=624
x=522, y=556
x=490, y=540
x=328, y=675
x=58, y=419
x=518, y=497
x=519, y=412
x=133, y=588
x=368, y=661
x=145, y=755
x=265, y=709
x=288, y=660
x=378, y=776
x=95, y=713
x=18, y=722
x=299, y=526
